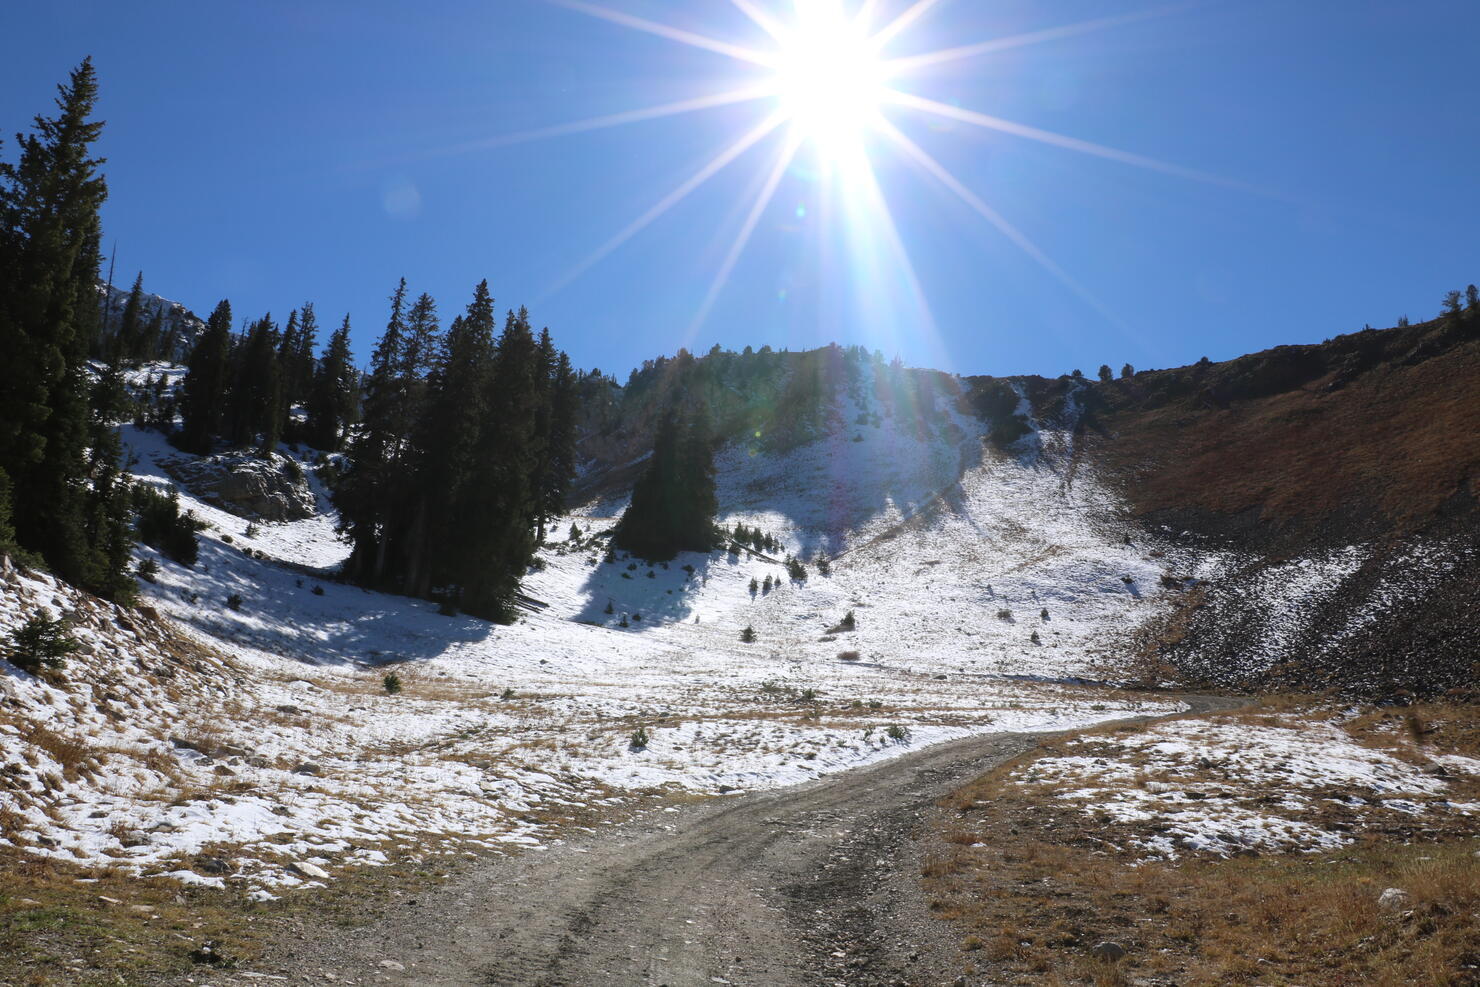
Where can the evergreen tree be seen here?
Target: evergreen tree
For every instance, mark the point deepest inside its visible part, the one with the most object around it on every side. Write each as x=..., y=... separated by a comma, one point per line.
x=363, y=493
x=49, y=264
x=674, y=503
x=126, y=341
x=449, y=435
x=254, y=410
x=331, y=404
x=1127, y=372
x=559, y=467
x=203, y=404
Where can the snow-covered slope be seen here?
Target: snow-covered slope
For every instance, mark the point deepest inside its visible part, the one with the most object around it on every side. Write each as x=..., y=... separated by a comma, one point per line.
x=982, y=583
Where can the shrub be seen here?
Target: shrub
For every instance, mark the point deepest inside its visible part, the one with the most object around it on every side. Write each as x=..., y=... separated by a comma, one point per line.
x=610, y=608
x=809, y=695
x=41, y=642
x=623, y=622
x=1004, y=614
x=824, y=566
x=318, y=591
x=1043, y=614
x=234, y=601
x=1035, y=638
x=294, y=471
x=392, y=683
x=639, y=739
x=252, y=530
x=537, y=564
x=898, y=734
x=748, y=635
x=506, y=694
x=849, y=656
x=147, y=569
x=161, y=525
x=637, y=617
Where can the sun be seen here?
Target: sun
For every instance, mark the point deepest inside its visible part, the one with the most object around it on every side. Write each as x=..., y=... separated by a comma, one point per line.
x=830, y=77
x=825, y=70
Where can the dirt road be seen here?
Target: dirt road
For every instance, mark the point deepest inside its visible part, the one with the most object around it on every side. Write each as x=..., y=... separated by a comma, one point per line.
x=817, y=884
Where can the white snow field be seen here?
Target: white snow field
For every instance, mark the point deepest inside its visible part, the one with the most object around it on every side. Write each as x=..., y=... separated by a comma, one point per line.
x=243, y=741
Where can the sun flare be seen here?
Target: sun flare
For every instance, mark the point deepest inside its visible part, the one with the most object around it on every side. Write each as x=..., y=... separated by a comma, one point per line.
x=829, y=76
x=825, y=69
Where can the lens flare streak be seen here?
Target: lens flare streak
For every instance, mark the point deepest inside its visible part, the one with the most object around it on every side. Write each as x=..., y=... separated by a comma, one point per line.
x=831, y=82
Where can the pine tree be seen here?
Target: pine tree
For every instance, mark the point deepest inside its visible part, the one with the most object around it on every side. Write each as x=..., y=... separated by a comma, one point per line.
x=1106, y=374
x=49, y=263
x=331, y=404
x=126, y=341
x=1127, y=372
x=203, y=404
x=673, y=503
x=254, y=411
x=362, y=495
x=559, y=467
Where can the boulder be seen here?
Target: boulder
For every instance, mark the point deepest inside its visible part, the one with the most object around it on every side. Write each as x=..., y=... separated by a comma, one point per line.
x=271, y=488
x=306, y=869
x=1392, y=900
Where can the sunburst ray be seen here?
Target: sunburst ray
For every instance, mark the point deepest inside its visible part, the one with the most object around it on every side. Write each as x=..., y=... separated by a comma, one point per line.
x=949, y=112
x=899, y=66
x=747, y=230
x=708, y=171
x=922, y=158
x=689, y=38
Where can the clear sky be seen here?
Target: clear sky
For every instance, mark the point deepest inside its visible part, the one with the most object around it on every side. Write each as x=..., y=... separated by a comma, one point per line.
x=1263, y=171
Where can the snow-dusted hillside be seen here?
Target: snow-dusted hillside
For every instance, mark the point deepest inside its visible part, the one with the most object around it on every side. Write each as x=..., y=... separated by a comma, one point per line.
x=982, y=584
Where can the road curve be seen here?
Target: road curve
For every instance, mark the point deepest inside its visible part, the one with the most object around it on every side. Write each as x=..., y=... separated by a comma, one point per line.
x=816, y=884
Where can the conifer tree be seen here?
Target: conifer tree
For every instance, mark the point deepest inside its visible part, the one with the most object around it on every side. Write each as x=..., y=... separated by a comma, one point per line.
x=331, y=404
x=254, y=406
x=674, y=502
x=203, y=404
x=362, y=495
x=126, y=342
x=49, y=263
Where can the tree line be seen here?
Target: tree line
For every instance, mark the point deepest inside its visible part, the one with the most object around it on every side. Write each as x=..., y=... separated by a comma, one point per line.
x=465, y=451
x=243, y=389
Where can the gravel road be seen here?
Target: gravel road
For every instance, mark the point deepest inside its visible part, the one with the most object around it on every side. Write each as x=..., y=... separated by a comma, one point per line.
x=811, y=885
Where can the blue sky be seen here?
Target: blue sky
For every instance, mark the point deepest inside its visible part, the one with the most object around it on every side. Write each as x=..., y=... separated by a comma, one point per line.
x=275, y=152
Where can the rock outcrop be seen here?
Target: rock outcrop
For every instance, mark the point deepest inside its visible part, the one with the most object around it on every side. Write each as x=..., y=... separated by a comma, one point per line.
x=259, y=489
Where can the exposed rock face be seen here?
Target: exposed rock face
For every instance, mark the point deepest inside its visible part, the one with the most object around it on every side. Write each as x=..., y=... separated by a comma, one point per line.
x=180, y=328
x=271, y=489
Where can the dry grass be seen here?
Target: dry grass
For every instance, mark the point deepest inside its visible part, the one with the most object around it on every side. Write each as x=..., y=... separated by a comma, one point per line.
x=1399, y=440
x=1044, y=888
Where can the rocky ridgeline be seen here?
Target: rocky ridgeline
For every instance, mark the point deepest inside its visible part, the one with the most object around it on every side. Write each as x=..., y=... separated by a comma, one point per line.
x=179, y=327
